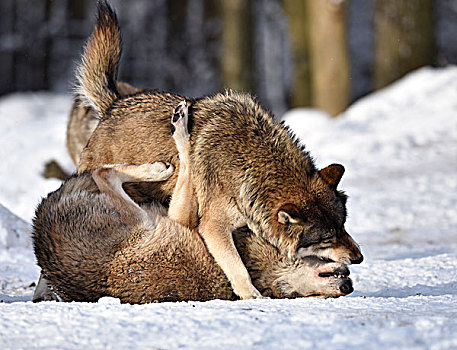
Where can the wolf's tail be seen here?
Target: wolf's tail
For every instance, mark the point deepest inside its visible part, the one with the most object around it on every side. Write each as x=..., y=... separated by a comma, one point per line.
x=97, y=73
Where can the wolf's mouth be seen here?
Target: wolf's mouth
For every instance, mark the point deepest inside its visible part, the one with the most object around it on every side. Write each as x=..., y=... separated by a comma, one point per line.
x=332, y=274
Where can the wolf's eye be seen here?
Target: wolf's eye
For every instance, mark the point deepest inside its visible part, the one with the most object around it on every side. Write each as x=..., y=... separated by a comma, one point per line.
x=327, y=241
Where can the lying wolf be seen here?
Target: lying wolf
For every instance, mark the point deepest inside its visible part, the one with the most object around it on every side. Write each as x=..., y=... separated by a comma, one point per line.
x=247, y=169
x=92, y=240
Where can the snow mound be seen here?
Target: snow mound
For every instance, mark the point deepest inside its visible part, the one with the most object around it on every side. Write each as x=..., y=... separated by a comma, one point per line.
x=14, y=232
x=413, y=118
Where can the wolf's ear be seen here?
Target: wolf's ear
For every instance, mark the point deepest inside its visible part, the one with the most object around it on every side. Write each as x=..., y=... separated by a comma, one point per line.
x=289, y=214
x=332, y=174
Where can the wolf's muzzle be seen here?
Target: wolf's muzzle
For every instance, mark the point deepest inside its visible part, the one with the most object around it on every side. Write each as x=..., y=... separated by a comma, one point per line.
x=347, y=287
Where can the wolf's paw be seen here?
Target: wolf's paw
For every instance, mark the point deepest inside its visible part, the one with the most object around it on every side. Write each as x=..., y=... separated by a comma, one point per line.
x=248, y=293
x=179, y=120
x=157, y=171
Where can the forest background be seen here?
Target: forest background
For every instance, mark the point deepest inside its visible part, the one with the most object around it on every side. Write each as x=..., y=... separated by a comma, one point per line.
x=289, y=53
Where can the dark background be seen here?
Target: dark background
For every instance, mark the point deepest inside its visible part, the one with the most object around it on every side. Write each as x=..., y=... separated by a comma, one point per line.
x=177, y=45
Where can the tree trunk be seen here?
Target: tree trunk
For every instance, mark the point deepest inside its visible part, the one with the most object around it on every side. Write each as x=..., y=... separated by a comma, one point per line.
x=298, y=28
x=329, y=55
x=237, y=60
x=404, y=38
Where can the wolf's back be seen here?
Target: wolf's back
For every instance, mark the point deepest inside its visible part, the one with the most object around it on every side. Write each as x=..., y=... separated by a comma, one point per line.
x=97, y=72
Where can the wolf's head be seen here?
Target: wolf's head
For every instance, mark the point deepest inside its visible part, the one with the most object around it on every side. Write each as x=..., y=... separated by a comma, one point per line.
x=308, y=277
x=278, y=276
x=312, y=221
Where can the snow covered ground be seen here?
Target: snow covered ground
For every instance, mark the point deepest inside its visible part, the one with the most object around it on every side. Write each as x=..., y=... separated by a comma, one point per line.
x=399, y=147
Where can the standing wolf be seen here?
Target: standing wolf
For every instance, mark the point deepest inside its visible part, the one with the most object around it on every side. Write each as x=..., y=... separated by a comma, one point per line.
x=247, y=169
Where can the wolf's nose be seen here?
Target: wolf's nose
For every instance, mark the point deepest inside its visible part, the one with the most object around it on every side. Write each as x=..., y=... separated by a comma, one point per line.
x=346, y=287
x=357, y=260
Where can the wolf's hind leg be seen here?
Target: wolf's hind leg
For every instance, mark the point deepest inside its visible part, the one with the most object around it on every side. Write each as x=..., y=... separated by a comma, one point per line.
x=183, y=206
x=110, y=178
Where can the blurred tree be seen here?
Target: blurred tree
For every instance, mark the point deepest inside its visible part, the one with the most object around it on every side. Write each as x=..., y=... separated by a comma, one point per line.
x=328, y=55
x=404, y=38
x=237, y=58
x=298, y=28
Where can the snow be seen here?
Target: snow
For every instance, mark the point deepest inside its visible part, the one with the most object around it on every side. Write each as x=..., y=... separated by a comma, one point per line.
x=33, y=132
x=399, y=148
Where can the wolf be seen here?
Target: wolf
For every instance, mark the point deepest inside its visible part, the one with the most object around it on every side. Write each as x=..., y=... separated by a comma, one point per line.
x=92, y=240
x=247, y=169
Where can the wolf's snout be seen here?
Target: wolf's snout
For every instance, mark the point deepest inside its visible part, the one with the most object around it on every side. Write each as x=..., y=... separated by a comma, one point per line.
x=346, y=287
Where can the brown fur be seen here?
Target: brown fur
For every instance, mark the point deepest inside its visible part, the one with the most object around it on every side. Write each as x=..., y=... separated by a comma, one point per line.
x=91, y=240
x=248, y=170
x=83, y=120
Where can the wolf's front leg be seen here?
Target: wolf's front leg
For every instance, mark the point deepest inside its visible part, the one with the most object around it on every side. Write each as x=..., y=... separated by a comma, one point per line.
x=216, y=229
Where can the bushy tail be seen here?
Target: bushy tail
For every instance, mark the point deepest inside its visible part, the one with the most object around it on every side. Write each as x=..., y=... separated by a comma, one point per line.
x=97, y=73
